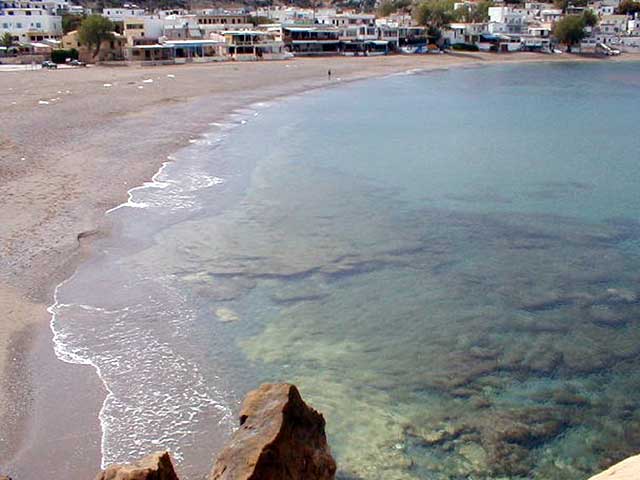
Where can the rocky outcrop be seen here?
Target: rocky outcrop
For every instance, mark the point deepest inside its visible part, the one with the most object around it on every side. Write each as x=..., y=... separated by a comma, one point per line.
x=157, y=466
x=628, y=469
x=280, y=437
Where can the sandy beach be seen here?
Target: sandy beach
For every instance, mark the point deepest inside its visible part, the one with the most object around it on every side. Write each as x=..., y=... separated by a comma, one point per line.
x=73, y=141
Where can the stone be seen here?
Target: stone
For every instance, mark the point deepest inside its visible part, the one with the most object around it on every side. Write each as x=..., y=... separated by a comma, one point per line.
x=280, y=437
x=157, y=466
x=226, y=315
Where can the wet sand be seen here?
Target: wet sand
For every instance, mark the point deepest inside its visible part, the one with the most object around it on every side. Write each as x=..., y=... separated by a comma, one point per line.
x=72, y=143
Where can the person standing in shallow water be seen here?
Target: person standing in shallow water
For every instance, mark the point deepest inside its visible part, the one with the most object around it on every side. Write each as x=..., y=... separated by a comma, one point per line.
x=329, y=74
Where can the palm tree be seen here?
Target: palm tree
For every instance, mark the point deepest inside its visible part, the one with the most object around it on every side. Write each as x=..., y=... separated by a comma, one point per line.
x=6, y=40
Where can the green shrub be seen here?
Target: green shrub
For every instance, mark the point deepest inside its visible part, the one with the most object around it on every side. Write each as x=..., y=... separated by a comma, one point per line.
x=465, y=47
x=60, y=56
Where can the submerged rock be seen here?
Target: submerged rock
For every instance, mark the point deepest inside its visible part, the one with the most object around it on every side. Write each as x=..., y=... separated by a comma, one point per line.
x=156, y=466
x=279, y=437
x=226, y=315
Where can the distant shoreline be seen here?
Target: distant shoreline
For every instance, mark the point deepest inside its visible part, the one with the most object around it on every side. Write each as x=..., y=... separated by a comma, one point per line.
x=76, y=141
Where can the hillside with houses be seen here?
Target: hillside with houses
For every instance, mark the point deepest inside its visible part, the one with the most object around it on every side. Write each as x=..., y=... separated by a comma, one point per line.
x=60, y=30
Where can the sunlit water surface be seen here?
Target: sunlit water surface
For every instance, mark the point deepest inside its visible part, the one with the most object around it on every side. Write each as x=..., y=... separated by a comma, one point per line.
x=447, y=265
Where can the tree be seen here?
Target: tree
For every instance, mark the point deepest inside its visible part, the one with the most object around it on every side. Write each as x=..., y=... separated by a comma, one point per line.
x=437, y=13
x=475, y=12
x=386, y=8
x=590, y=18
x=481, y=12
x=6, y=40
x=628, y=7
x=570, y=30
x=71, y=22
x=561, y=4
x=434, y=35
x=94, y=30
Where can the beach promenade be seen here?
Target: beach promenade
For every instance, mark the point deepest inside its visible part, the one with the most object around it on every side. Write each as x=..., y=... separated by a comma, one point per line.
x=72, y=143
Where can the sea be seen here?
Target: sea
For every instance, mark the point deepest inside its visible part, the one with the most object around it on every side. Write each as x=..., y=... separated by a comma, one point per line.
x=446, y=263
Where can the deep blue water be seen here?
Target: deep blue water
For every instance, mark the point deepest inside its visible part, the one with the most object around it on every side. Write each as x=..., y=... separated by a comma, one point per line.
x=446, y=264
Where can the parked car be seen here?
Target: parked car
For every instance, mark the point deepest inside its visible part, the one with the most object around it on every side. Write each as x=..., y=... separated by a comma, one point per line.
x=77, y=63
x=49, y=64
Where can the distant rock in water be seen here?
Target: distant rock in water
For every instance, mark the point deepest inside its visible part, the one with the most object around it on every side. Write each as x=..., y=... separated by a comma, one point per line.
x=280, y=437
x=157, y=466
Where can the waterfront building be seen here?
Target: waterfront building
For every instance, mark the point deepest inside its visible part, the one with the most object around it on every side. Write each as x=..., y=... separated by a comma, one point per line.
x=311, y=40
x=252, y=45
x=461, y=32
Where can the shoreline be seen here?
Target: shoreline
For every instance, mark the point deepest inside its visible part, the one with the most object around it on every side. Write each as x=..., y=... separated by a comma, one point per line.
x=63, y=240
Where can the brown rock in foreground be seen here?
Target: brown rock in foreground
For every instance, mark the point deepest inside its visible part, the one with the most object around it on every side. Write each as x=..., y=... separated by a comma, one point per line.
x=156, y=466
x=628, y=469
x=280, y=437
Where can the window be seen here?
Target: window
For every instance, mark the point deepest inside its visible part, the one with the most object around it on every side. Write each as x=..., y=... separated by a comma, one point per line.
x=18, y=25
x=38, y=25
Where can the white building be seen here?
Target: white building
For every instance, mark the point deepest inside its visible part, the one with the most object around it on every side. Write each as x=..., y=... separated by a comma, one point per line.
x=465, y=32
x=613, y=24
x=143, y=29
x=54, y=7
x=633, y=26
x=551, y=15
x=507, y=20
x=290, y=15
x=604, y=7
x=119, y=14
x=30, y=24
x=346, y=19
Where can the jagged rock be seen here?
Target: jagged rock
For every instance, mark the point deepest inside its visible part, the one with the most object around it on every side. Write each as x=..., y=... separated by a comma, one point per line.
x=280, y=437
x=157, y=466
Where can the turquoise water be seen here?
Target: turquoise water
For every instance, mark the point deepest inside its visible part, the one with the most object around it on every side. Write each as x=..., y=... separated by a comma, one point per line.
x=445, y=263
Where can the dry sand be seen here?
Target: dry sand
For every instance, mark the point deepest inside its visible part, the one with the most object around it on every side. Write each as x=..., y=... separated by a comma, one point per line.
x=73, y=141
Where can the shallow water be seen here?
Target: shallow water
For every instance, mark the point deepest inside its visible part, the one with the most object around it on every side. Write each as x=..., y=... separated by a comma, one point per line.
x=445, y=263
